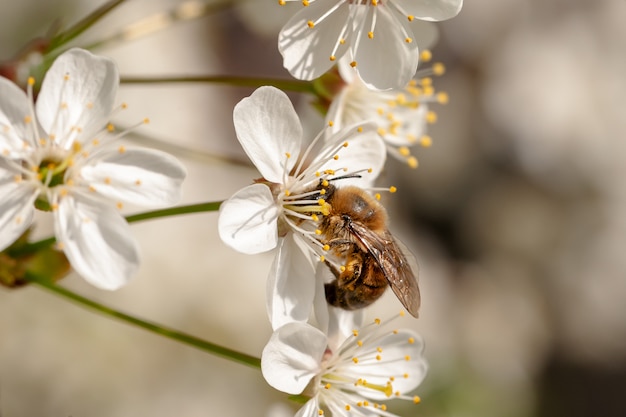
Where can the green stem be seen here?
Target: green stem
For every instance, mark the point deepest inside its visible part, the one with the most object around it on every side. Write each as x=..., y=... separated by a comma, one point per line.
x=89, y=20
x=174, y=211
x=209, y=347
x=289, y=85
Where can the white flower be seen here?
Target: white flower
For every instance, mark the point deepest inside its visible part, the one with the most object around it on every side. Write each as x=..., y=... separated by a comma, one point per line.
x=58, y=155
x=376, y=35
x=280, y=209
x=401, y=115
x=349, y=378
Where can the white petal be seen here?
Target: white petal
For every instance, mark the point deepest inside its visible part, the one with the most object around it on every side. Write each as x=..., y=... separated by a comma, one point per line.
x=291, y=285
x=16, y=206
x=432, y=10
x=77, y=96
x=97, y=240
x=14, y=110
x=268, y=129
x=248, y=220
x=140, y=176
x=310, y=409
x=365, y=150
x=387, y=60
x=426, y=34
x=292, y=357
x=306, y=51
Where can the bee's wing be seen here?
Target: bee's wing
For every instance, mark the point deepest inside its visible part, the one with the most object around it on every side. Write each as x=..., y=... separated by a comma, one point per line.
x=392, y=261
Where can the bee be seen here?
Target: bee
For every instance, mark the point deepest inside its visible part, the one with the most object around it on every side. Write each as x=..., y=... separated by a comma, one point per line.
x=355, y=229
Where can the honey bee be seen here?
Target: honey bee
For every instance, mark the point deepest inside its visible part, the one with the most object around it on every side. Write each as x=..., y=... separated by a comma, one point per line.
x=355, y=229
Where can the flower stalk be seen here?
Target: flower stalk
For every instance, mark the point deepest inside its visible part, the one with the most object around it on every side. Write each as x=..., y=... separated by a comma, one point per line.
x=158, y=329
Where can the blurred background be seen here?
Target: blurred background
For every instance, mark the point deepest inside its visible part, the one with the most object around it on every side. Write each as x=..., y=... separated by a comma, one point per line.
x=516, y=216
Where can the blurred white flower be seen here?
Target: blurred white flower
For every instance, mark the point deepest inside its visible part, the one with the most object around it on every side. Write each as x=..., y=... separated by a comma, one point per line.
x=347, y=376
x=285, y=202
x=401, y=115
x=57, y=155
x=375, y=34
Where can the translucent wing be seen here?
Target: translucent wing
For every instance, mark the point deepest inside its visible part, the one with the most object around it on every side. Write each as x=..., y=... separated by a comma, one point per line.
x=390, y=258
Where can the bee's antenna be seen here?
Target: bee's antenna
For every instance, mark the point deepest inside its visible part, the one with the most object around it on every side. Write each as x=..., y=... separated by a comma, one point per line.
x=343, y=177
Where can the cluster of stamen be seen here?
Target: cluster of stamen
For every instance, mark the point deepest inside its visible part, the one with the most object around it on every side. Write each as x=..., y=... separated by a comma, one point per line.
x=392, y=120
x=51, y=162
x=346, y=372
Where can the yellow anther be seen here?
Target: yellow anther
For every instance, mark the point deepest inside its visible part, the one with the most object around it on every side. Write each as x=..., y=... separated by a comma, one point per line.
x=426, y=141
x=355, y=332
x=345, y=144
x=359, y=343
x=442, y=97
x=397, y=393
x=321, y=202
x=107, y=181
x=342, y=41
x=412, y=162
x=333, y=58
x=402, y=313
x=381, y=131
x=310, y=24
x=92, y=189
x=392, y=378
x=317, y=174
x=336, y=157
x=320, y=412
x=417, y=400
x=366, y=403
x=318, y=232
x=377, y=321
x=342, y=268
x=110, y=127
x=378, y=357
x=327, y=386
x=408, y=40
x=370, y=170
x=95, y=142
x=69, y=182
x=379, y=349
x=314, y=217
x=431, y=117
x=405, y=376
x=121, y=149
x=66, y=77
x=305, y=2
x=137, y=182
x=411, y=340
x=288, y=155
x=404, y=151
x=355, y=360
x=326, y=247
x=383, y=407
x=347, y=407
x=31, y=81
x=392, y=189
x=119, y=205
x=27, y=119
x=395, y=331
x=353, y=64
x=146, y=121
x=281, y=2
x=370, y=35
x=322, y=192
x=331, y=123
x=325, y=183
x=360, y=404
x=377, y=196
x=287, y=193
x=439, y=69
x=322, y=258
x=425, y=55
x=407, y=358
